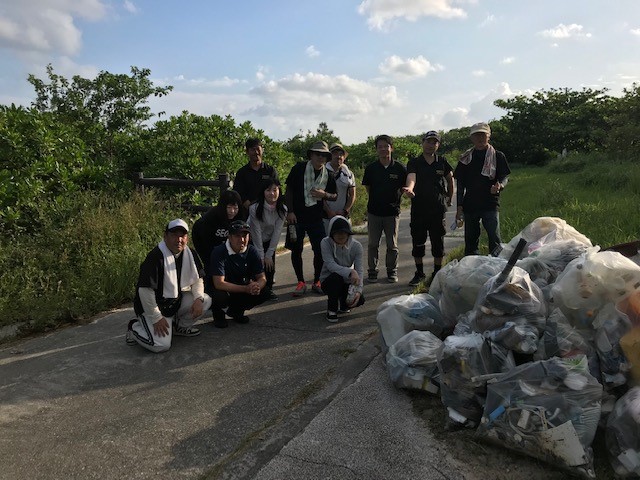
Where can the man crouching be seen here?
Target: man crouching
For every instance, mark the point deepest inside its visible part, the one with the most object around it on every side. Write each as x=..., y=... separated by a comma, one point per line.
x=170, y=292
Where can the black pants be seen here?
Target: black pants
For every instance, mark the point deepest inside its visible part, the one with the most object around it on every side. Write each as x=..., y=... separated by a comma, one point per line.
x=425, y=224
x=337, y=291
x=238, y=303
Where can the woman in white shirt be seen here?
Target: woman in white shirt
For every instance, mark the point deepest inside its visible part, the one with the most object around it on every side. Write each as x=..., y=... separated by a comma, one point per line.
x=266, y=219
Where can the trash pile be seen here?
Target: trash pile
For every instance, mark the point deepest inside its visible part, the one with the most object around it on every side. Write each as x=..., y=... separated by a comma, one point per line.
x=535, y=349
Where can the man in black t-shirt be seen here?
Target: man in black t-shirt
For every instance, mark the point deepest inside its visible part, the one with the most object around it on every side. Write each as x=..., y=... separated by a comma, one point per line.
x=383, y=180
x=481, y=174
x=430, y=188
x=237, y=275
x=249, y=177
x=308, y=185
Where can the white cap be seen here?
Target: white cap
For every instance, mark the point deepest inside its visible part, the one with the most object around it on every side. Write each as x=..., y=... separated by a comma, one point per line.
x=178, y=223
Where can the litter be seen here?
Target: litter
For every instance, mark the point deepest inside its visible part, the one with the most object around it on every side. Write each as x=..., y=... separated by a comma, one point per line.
x=412, y=362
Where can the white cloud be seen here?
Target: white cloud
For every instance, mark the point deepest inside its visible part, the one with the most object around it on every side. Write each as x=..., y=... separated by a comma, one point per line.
x=311, y=51
x=203, y=82
x=262, y=72
x=130, y=7
x=478, y=73
x=507, y=60
x=381, y=13
x=491, y=19
x=47, y=25
x=408, y=68
x=635, y=31
x=456, y=117
x=565, y=31
x=484, y=109
x=321, y=96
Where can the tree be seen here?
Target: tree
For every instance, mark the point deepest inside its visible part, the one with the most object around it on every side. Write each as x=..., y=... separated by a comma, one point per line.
x=299, y=144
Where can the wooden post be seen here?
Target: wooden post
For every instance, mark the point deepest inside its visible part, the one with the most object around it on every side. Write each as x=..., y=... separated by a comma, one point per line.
x=139, y=187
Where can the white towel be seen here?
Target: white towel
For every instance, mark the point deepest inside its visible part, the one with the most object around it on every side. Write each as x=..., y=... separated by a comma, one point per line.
x=489, y=167
x=310, y=181
x=188, y=275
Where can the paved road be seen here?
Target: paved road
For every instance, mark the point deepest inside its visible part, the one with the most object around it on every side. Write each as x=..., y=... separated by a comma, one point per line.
x=79, y=403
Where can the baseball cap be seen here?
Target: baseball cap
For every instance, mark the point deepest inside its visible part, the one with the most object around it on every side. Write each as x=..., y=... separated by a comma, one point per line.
x=239, y=226
x=431, y=134
x=178, y=223
x=480, y=127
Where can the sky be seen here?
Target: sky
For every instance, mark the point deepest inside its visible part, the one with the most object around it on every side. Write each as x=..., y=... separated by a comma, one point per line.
x=364, y=67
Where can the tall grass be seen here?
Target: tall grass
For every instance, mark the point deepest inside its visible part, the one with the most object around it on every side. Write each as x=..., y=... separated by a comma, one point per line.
x=79, y=265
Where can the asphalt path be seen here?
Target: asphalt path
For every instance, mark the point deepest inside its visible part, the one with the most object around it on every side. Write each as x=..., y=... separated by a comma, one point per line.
x=80, y=403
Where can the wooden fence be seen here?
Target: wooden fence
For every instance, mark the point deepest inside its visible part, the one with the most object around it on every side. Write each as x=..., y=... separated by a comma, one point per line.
x=221, y=183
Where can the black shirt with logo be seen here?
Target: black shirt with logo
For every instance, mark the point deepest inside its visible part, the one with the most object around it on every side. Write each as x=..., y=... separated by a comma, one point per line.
x=385, y=185
x=238, y=268
x=476, y=187
x=430, y=188
x=248, y=181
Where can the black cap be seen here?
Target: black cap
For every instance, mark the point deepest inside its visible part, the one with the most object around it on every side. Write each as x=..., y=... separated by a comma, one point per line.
x=431, y=134
x=239, y=226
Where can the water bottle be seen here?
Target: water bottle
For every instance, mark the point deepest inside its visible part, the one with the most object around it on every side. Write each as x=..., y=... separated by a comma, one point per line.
x=293, y=235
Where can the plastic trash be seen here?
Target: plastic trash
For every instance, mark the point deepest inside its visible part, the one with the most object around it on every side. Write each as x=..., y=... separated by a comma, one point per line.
x=412, y=362
x=622, y=435
x=611, y=327
x=547, y=409
x=400, y=315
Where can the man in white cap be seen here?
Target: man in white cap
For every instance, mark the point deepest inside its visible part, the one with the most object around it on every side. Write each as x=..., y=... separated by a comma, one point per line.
x=170, y=292
x=481, y=174
x=308, y=186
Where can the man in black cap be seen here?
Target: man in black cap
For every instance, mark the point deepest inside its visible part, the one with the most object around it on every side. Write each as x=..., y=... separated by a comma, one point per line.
x=430, y=188
x=249, y=177
x=238, y=276
x=169, y=294
x=309, y=184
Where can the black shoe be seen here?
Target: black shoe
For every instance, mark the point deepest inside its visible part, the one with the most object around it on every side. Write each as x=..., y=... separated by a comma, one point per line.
x=219, y=321
x=332, y=316
x=129, y=338
x=372, y=278
x=417, y=279
x=272, y=296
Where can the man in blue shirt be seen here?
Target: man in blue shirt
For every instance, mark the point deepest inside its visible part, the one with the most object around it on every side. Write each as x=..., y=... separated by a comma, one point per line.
x=238, y=276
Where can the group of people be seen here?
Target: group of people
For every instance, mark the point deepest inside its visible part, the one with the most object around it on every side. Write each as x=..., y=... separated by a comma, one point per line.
x=232, y=269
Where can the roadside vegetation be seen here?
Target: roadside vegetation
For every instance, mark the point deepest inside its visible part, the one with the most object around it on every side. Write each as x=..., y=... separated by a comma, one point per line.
x=75, y=230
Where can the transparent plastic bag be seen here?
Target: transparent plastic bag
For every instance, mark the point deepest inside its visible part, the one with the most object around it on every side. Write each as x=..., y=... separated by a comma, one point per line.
x=548, y=409
x=611, y=326
x=541, y=231
x=412, y=361
x=457, y=288
x=400, y=315
x=622, y=435
x=549, y=260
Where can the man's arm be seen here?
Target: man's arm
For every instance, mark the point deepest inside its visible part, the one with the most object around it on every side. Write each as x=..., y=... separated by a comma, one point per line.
x=408, y=188
x=351, y=199
x=449, y=178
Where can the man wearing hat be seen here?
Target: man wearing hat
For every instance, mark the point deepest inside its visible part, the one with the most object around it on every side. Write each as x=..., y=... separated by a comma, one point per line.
x=481, y=174
x=249, y=177
x=238, y=276
x=384, y=180
x=309, y=184
x=430, y=188
x=169, y=294
x=345, y=185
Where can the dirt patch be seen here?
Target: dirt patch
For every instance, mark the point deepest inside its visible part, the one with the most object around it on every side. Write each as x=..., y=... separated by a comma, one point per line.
x=482, y=460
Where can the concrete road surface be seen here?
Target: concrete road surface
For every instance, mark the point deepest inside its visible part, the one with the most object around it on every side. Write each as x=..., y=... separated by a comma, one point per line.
x=79, y=403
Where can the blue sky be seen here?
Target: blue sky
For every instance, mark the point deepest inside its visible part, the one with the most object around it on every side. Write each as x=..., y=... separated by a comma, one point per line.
x=363, y=66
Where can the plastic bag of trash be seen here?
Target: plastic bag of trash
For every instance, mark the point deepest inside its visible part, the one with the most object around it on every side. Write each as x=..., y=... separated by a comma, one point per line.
x=591, y=281
x=547, y=262
x=548, y=409
x=622, y=435
x=518, y=337
x=464, y=363
x=611, y=326
x=560, y=339
x=458, y=285
x=412, y=362
x=400, y=315
x=514, y=298
x=541, y=231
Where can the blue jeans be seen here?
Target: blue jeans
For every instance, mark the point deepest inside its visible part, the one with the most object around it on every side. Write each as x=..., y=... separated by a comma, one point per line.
x=491, y=223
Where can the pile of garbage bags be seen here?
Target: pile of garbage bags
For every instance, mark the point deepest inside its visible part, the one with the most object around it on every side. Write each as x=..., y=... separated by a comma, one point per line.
x=535, y=349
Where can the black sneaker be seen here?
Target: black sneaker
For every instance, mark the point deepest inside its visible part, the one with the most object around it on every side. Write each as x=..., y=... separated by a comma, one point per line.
x=185, y=331
x=129, y=337
x=417, y=279
x=332, y=316
x=344, y=310
x=219, y=321
x=392, y=278
x=372, y=278
x=272, y=296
